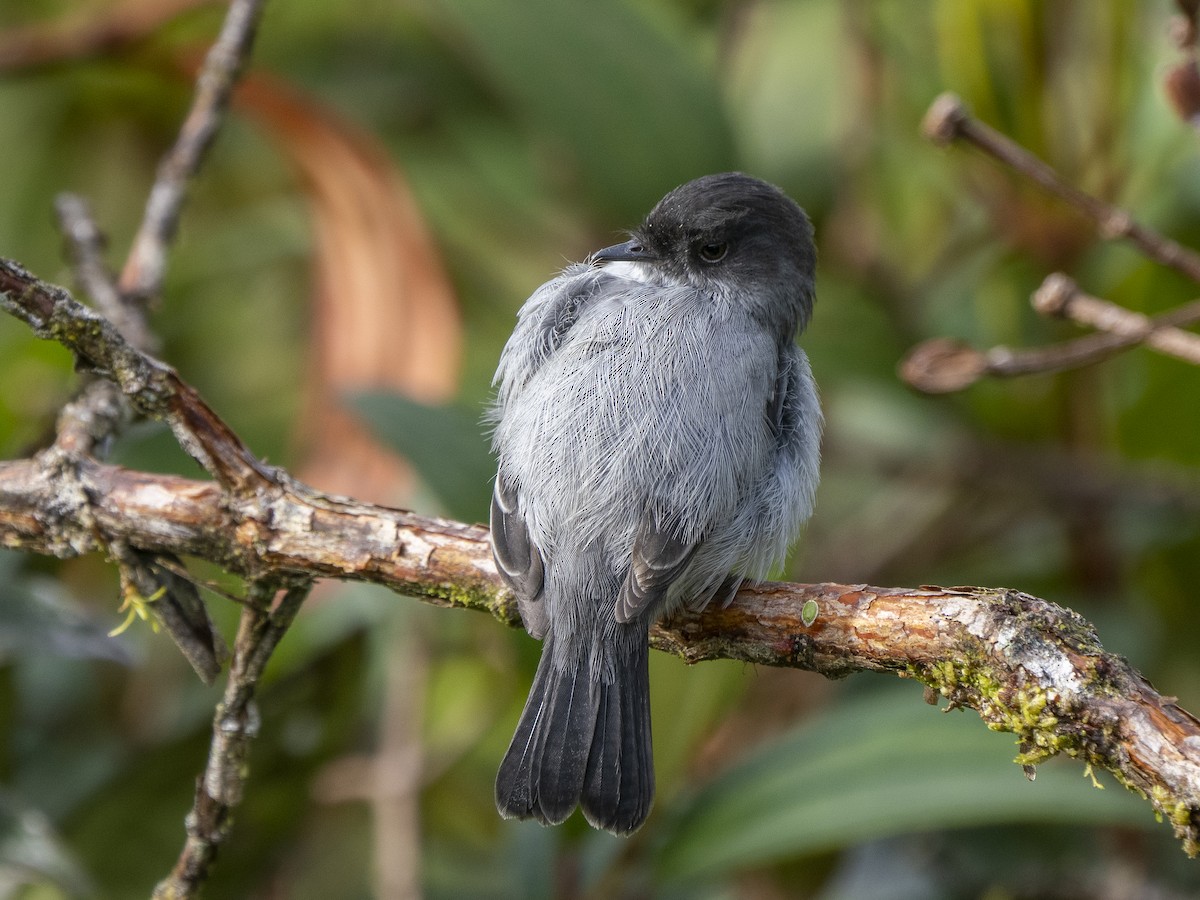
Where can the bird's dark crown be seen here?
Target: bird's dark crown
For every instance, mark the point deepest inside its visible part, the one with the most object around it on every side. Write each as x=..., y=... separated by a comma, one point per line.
x=735, y=228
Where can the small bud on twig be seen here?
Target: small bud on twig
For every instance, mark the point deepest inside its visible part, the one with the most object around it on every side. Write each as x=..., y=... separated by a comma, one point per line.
x=942, y=366
x=1182, y=85
x=1060, y=296
x=942, y=121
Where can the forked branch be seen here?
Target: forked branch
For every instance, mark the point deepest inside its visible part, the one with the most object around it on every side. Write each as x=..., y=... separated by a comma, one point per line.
x=1026, y=665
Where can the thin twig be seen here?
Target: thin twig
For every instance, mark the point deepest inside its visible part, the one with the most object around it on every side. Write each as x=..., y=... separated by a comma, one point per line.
x=85, y=247
x=235, y=725
x=154, y=388
x=1060, y=296
x=943, y=365
x=141, y=279
x=948, y=120
x=92, y=418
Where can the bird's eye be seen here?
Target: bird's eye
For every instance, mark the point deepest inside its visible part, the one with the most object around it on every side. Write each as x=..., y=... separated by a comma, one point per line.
x=713, y=253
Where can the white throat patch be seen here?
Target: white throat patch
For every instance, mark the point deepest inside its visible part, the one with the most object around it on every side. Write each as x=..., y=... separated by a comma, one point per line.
x=634, y=271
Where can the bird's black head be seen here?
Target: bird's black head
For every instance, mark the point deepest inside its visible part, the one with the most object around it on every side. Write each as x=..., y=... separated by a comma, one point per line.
x=735, y=237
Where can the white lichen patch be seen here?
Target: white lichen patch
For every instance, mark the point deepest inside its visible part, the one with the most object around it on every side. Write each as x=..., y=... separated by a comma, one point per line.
x=153, y=495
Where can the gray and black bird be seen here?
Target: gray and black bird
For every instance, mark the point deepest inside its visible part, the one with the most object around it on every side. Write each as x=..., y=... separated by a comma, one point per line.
x=657, y=433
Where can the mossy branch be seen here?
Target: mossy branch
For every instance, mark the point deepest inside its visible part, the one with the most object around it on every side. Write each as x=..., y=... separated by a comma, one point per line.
x=1026, y=665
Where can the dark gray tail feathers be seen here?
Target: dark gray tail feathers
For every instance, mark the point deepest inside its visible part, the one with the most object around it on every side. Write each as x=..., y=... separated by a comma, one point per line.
x=581, y=743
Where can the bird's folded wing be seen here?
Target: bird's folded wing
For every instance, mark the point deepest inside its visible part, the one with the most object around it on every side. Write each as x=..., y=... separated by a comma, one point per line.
x=517, y=557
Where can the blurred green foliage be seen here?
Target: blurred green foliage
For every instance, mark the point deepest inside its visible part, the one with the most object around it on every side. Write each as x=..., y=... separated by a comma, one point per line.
x=531, y=133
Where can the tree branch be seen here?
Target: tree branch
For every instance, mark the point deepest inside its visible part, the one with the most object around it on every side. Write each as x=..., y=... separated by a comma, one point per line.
x=112, y=342
x=1026, y=665
x=1060, y=296
x=154, y=388
x=944, y=365
x=141, y=279
x=235, y=725
x=948, y=121
x=85, y=246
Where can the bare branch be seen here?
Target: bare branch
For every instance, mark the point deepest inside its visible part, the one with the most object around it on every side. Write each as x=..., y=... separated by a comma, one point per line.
x=1026, y=665
x=943, y=365
x=948, y=120
x=85, y=245
x=235, y=724
x=1061, y=296
x=142, y=277
x=153, y=387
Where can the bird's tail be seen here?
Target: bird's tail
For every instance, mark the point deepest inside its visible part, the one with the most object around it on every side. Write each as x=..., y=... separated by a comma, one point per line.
x=583, y=740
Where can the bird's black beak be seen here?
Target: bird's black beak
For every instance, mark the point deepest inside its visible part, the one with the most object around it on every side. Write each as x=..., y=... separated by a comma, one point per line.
x=630, y=251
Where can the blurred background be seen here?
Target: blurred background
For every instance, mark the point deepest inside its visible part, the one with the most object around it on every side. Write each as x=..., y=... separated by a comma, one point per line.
x=394, y=180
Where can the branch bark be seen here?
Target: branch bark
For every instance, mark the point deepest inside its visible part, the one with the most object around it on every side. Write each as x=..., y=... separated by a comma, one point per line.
x=1026, y=665
x=141, y=279
x=235, y=725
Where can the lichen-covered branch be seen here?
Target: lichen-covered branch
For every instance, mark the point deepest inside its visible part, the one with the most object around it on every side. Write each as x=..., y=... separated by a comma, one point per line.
x=154, y=388
x=1026, y=665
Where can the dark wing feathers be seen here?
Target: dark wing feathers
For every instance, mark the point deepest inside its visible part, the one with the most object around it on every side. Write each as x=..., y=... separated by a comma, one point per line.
x=560, y=315
x=517, y=557
x=777, y=407
x=659, y=557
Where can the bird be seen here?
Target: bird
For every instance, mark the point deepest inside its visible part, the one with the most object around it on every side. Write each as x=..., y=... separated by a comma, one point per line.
x=657, y=434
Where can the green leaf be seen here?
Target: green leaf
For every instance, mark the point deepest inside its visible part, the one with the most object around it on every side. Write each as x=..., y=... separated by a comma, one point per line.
x=876, y=765
x=444, y=444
